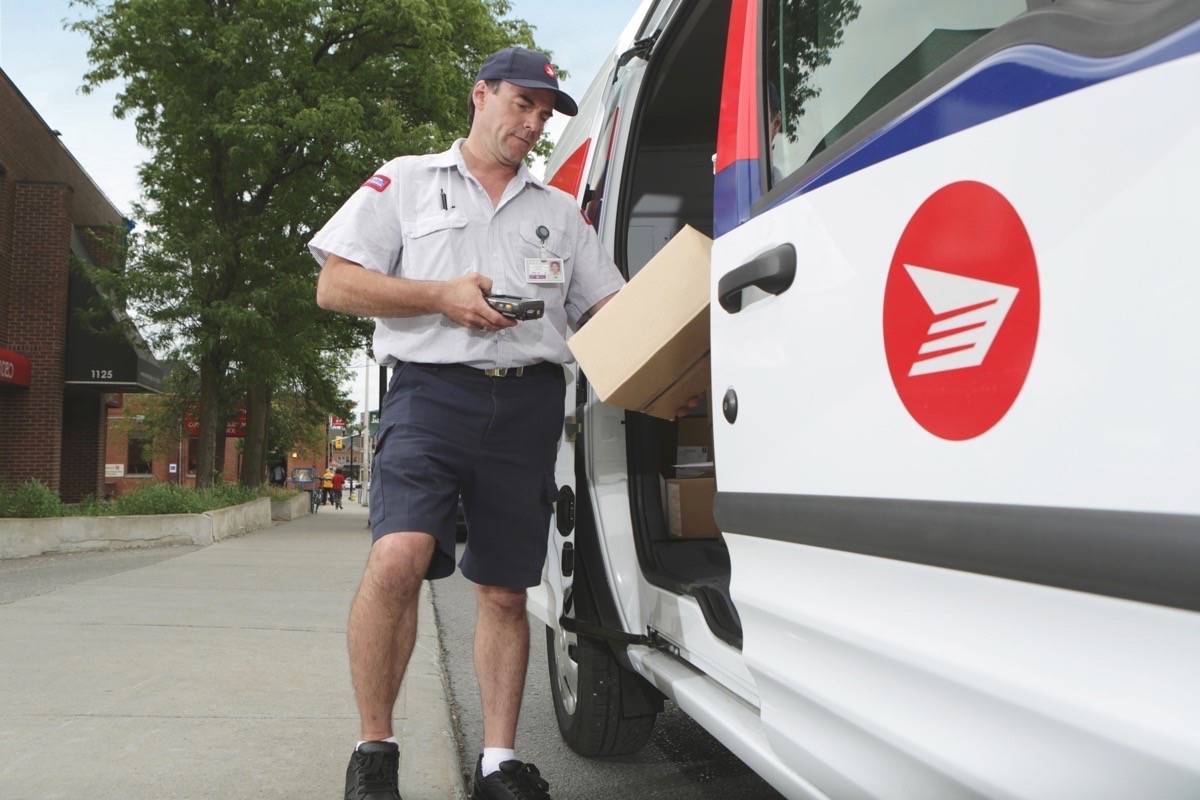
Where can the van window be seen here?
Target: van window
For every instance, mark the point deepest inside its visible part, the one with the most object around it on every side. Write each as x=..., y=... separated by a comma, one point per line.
x=830, y=64
x=598, y=179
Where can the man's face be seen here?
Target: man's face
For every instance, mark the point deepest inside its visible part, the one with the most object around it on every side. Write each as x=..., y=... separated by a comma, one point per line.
x=511, y=121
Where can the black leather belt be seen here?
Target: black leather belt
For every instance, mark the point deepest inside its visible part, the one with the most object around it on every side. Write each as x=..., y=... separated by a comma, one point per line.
x=542, y=367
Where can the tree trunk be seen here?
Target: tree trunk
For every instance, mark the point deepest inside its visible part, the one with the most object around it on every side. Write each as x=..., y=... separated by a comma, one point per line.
x=258, y=400
x=218, y=473
x=210, y=418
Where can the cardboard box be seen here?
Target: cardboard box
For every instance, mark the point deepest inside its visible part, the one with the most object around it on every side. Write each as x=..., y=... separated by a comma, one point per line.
x=695, y=432
x=647, y=349
x=693, y=462
x=689, y=505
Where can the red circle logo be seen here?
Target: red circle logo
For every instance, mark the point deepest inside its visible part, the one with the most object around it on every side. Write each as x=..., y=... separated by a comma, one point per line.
x=961, y=310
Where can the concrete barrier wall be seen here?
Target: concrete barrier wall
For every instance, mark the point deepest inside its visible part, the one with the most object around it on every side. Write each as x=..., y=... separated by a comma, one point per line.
x=237, y=520
x=21, y=538
x=290, y=508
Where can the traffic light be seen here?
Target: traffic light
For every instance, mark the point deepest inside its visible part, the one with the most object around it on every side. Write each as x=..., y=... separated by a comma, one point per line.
x=337, y=443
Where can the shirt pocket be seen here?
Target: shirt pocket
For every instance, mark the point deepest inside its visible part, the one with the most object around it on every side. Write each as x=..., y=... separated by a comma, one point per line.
x=433, y=245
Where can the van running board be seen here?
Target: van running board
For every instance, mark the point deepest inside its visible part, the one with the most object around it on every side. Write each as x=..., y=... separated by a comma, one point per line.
x=593, y=631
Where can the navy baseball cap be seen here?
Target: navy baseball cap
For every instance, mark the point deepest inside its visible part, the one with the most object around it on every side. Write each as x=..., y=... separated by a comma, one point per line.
x=530, y=69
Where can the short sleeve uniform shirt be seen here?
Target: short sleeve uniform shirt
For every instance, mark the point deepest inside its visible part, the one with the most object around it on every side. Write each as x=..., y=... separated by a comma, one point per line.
x=427, y=218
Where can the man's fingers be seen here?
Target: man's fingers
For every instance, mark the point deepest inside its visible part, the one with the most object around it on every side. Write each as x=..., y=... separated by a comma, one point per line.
x=494, y=318
x=489, y=322
x=483, y=282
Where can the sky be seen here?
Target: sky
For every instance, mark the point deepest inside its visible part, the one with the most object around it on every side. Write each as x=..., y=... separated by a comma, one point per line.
x=47, y=64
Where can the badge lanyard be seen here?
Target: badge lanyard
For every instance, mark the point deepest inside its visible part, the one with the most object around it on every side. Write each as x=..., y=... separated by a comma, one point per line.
x=544, y=269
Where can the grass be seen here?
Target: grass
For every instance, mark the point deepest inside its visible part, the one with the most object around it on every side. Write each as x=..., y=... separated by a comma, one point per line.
x=34, y=499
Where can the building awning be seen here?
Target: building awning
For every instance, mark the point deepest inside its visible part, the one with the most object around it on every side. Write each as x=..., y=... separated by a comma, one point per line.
x=104, y=349
x=14, y=368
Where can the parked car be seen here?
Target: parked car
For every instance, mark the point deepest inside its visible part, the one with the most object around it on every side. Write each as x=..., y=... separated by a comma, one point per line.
x=954, y=398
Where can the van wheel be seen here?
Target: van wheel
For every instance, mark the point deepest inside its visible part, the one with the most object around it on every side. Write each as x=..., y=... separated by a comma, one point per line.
x=603, y=709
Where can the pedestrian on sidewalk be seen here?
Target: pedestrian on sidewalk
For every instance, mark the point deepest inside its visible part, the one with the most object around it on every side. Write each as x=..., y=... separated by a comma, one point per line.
x=339, y=480
x=327, y=486
x=475, y=403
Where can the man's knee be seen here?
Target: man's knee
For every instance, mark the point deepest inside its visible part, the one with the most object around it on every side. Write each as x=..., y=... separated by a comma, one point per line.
x=501, y=600
x=399, y=562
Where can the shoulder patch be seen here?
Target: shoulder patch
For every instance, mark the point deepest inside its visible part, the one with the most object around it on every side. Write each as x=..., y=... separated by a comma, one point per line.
x=378, y=182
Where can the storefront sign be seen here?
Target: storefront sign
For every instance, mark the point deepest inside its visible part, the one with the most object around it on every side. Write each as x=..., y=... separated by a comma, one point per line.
x=14, y=368
x=235, y=428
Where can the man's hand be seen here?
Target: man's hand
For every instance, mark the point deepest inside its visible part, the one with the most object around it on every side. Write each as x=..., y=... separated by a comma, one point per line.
x=462, y=301
x=683, y=411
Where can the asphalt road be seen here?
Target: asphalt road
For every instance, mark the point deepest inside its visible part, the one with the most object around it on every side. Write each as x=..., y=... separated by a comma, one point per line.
x=682, y=761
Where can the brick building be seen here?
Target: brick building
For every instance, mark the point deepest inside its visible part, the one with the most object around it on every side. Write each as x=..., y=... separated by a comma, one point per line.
x=57, y=370
x=132, y=460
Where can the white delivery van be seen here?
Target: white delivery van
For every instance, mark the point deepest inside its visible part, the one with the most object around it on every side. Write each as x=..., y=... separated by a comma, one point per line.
x=955, y=400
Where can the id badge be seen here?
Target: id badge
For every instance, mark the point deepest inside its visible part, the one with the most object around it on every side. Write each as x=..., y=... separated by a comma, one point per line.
x=544, y=270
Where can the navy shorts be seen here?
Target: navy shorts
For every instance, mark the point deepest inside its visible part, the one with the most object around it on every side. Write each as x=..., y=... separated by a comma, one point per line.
x=446, y=429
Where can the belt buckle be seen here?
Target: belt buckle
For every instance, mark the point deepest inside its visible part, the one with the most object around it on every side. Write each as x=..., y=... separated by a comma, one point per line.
x=504, y=372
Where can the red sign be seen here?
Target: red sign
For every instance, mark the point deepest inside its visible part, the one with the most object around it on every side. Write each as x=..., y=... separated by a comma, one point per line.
x=233, y=429
x=336, y=422
x=961, y=311
x=14, y=368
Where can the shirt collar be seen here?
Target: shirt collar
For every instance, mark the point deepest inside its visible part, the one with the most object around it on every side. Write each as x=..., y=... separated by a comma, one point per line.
x=454, y=158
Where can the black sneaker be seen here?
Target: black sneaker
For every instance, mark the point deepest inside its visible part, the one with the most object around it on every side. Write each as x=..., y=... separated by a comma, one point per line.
x=371, y=774
x=515, y=780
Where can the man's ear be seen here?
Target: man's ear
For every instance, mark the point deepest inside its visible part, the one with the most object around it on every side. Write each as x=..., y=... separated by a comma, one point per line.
x=479, y=95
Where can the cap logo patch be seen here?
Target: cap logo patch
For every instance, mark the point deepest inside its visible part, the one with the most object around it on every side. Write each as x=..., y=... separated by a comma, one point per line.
x=549, y=70
x=378, y=182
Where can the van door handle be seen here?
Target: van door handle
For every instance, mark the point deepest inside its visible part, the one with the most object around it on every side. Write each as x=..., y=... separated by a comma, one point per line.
x=773, y=272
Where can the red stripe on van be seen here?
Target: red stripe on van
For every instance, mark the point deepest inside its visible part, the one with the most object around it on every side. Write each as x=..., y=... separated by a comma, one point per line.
x=737, y=131
x=571, y=172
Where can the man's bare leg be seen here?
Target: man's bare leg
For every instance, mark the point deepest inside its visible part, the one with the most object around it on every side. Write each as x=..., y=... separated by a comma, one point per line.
x=501, y=658
x=383, y=626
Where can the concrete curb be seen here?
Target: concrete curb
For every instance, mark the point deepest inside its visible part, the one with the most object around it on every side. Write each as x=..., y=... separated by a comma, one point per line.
x=429, y=751
x=22, y=538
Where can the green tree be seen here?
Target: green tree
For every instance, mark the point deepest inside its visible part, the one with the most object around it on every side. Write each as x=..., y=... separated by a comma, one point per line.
x=262, y=116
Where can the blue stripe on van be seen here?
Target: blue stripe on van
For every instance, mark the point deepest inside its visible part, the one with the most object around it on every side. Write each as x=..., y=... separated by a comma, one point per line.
x=1009, y=81
x=735, y=189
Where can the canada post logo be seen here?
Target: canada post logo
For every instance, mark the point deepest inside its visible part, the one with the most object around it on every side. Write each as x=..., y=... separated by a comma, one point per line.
x=378, y=182
x=961, y=310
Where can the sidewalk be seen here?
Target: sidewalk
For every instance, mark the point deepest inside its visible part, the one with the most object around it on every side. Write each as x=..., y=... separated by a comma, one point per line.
x=218, y=674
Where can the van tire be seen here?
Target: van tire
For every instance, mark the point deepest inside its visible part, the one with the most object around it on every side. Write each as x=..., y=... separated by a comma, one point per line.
x=605, y=721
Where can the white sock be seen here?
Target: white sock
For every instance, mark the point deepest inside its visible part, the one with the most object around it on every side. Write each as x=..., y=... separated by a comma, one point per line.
x=493, y=757
x=391, y=739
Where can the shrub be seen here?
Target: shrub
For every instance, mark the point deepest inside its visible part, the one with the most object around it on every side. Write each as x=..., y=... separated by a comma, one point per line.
x=276, y=492
x=155, y=498
x=31, y=499
x=34, y=499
